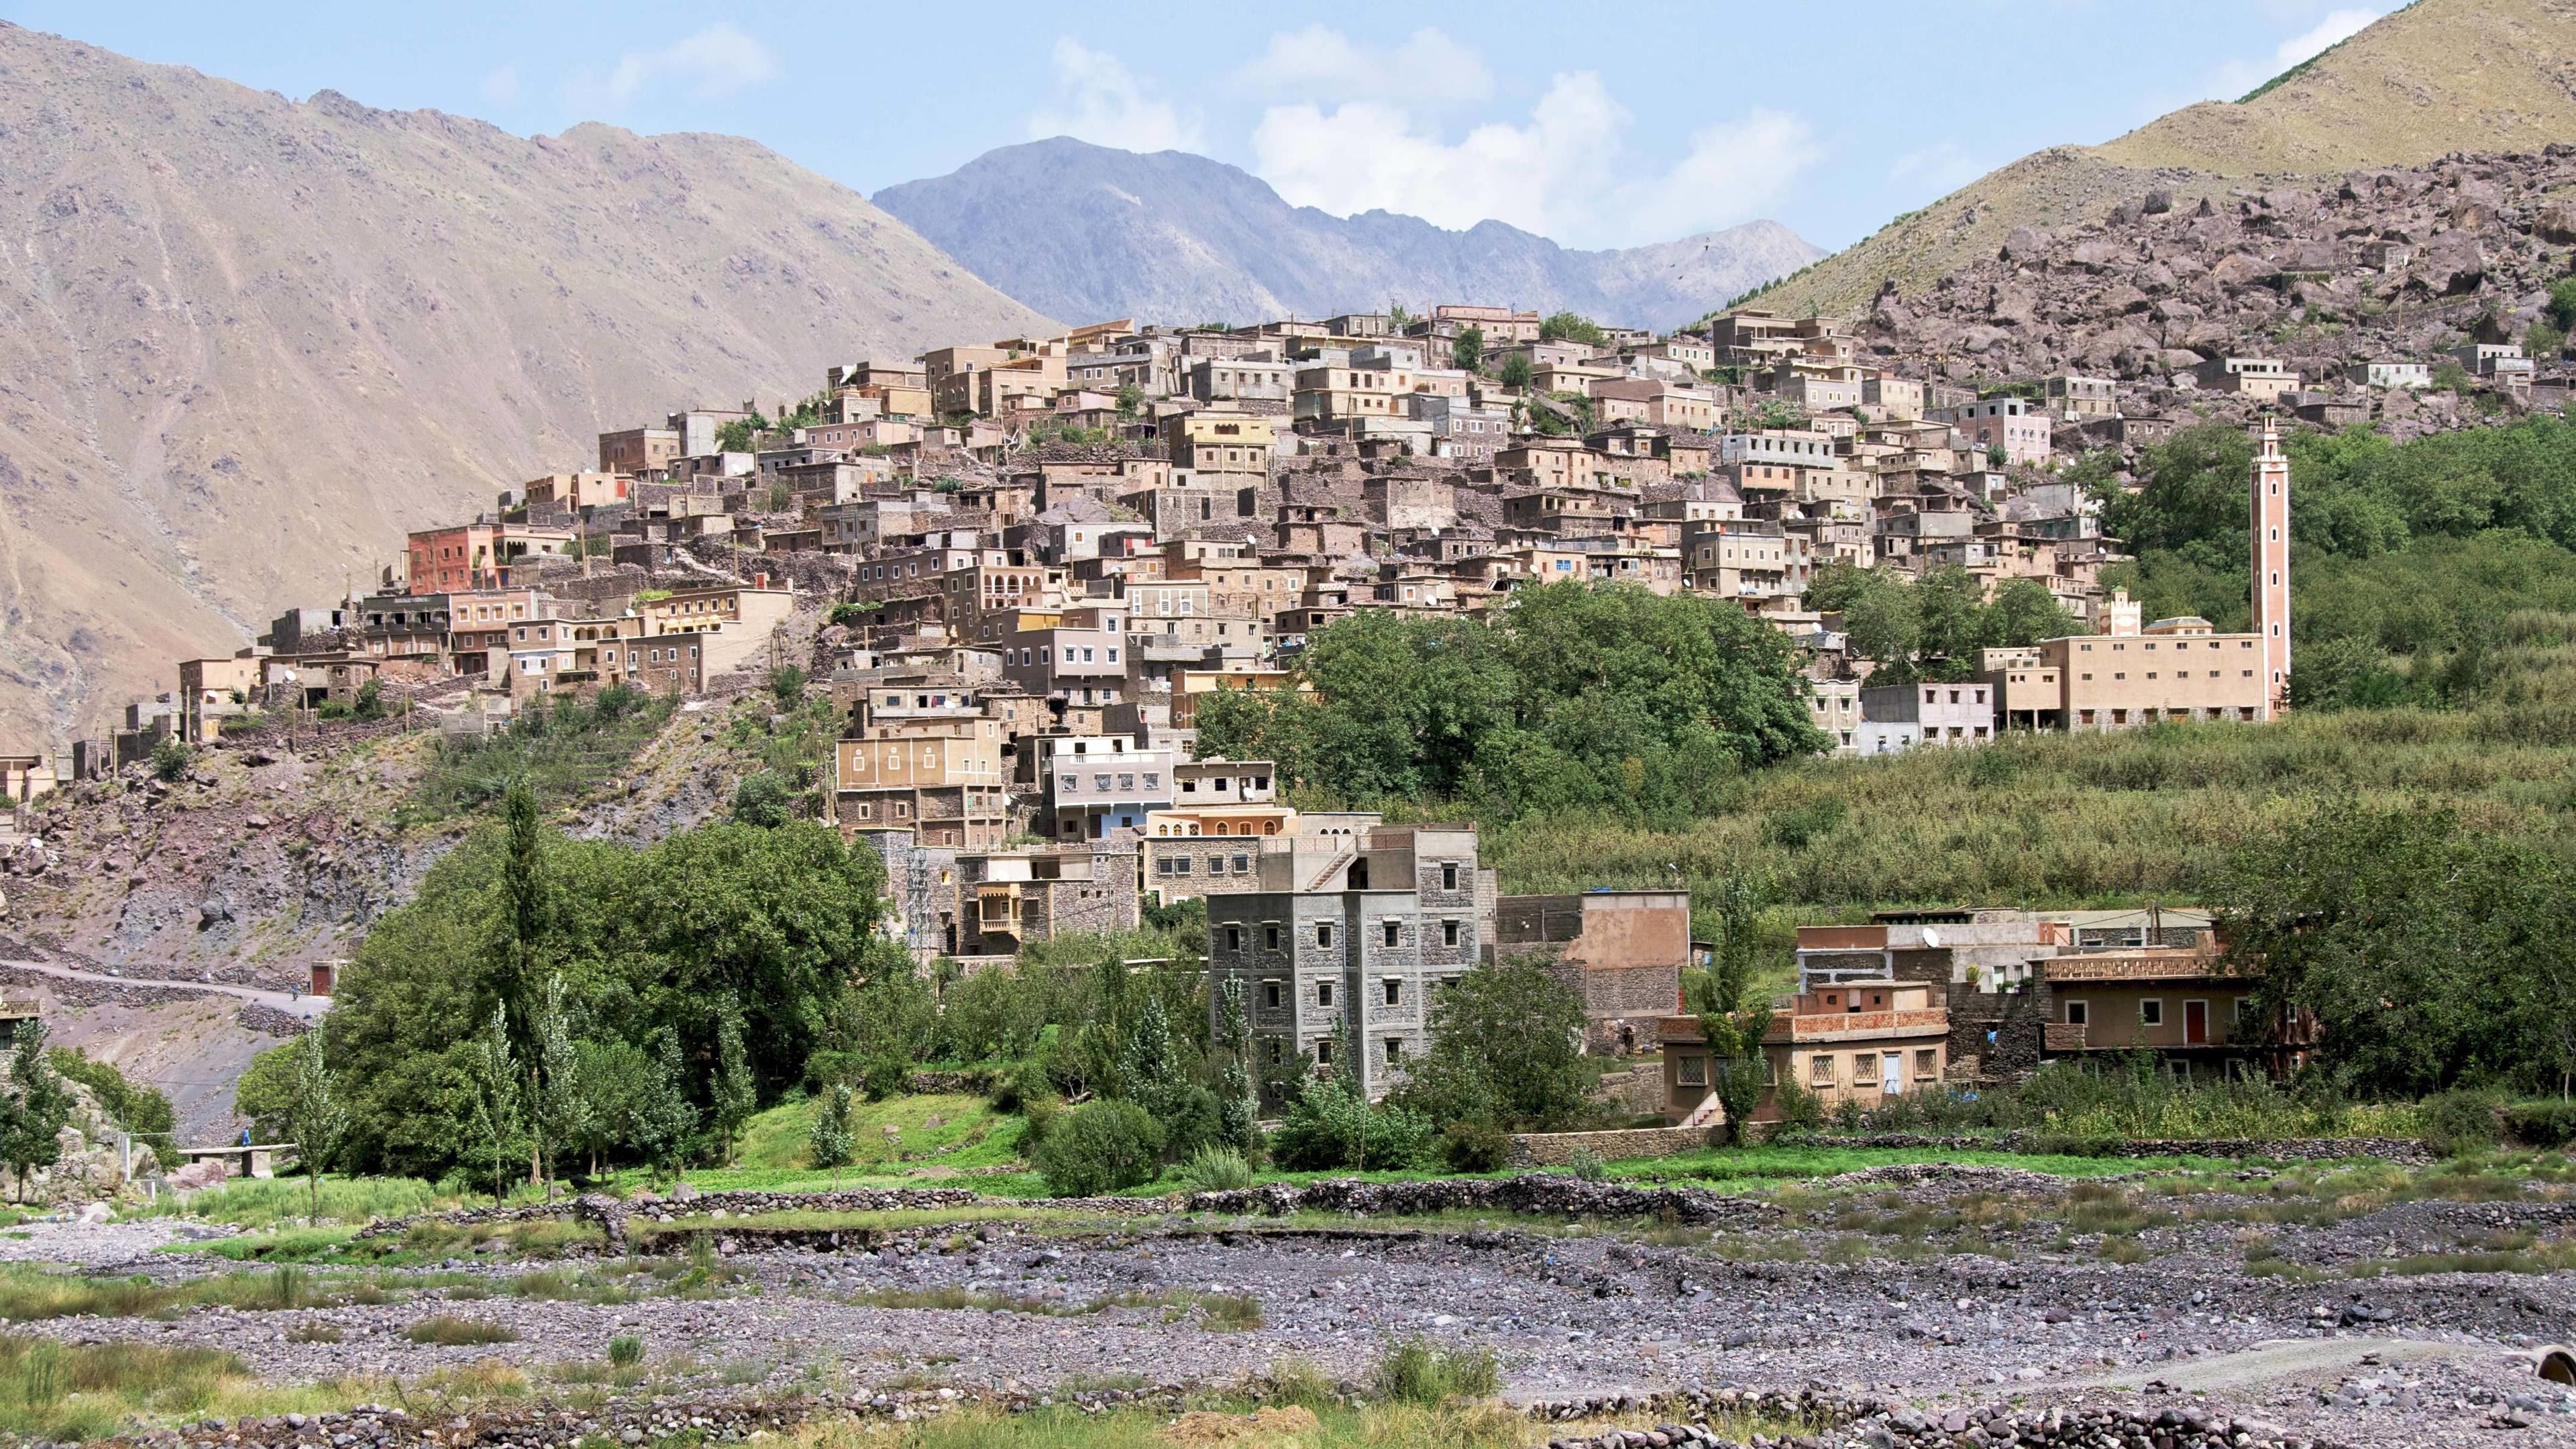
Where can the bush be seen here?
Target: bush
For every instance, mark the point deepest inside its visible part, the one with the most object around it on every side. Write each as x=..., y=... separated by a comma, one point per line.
x=170, y=760
x=1418, y=1371
x=760, y=799
x=885, y=1076
x=626, y=1350
x=1474, y=1147
x=1098, y=1148
x=143, y=1111
x=830, y=1143
x=2542, y=1124
x=2459, y=1123
x=1330, y=1126
x=451, y=1331
x=1216, y=1169
x=1801, y=1111
x=1587, y=1165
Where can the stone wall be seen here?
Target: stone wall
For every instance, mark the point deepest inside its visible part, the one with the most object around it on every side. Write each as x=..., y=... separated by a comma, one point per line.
x=1555, y=1149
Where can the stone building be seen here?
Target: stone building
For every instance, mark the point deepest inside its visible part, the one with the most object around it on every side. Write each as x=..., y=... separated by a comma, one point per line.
x=1344, y=941
x=1622, y=950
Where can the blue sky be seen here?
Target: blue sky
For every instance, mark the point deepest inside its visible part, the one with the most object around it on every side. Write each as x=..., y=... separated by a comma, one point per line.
x=1598, y=126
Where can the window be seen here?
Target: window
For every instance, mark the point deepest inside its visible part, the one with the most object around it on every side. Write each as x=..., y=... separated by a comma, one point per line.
x=1270, y=938
x=1394, y=933
x=1183, y=865
x=1243, y=865
x=1820, y=1070
x=1449, y=879
x=1323, y=993
x=1691, y=1071
x=1448, y=933
x=1927, y=1062
x=1324, y=934
x=1394, y=1050
x=1270, y=993
x=2077, y=1013
x=1394, y=991
x=1234, y=942
x=1163, y=866
x=2151, y=1012
x=1323, y=1051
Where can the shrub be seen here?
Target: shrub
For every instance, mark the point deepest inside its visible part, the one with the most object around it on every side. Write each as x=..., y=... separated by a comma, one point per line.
x=829, y=1142
x=170, y=760
x=2458, y=1123
x=1216, y=1169
x=1474, y=1147
x=1100, y=1147
x=886, y=1075
x=1418, y=1371
x=1330, y=1125
x=760, y=799
x=626, y=1350
x=2542, y=1124
x=448, y=1330
x=1800, y=1110
x=1587, y=1165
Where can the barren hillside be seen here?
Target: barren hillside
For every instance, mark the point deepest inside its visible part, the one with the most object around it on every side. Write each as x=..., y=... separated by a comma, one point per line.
x=2437, y=77
x=245, y=343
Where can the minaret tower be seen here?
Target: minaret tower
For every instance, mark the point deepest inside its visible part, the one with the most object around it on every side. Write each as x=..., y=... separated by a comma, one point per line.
x=2272, y=567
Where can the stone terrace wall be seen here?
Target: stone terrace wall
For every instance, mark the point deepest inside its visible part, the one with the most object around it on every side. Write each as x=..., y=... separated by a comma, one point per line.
x=1555, y=1149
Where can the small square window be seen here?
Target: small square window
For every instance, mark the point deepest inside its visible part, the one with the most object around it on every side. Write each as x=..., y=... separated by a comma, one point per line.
x=2077, y=1013
x=2151, y=1012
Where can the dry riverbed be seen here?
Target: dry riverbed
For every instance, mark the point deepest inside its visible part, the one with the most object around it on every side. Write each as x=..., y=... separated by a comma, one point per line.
x=1946, y=1295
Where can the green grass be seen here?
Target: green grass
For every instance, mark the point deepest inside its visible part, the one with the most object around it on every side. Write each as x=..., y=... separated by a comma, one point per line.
x=28, y=1294
x=969, y=1134
x=259, y=1203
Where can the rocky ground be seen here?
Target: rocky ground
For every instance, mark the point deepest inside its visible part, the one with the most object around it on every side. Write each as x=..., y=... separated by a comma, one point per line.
x=2398, y=261
x=2012, y=1307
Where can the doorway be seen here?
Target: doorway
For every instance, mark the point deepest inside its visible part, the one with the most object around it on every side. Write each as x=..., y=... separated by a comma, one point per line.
x=2195, y=1023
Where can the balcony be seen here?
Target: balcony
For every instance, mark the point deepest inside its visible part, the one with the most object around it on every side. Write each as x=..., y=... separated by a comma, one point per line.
x=2138, y=966
x=1861, y=1025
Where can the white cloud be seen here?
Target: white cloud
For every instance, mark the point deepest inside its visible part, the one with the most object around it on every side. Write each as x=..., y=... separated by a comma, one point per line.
x=1319, y=63
x=501, y=87
x=2234, y=78
x=1569, y=173
x=716, y=61
x=1102, y=102
x=2337, y=27
x=1937, y=169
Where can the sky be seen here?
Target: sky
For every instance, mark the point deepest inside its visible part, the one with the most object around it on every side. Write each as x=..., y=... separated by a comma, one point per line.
x=1597, y=127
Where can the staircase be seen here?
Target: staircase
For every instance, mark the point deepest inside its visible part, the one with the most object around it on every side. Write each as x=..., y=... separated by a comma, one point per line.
x=1331, y=869
x=1706, y=1113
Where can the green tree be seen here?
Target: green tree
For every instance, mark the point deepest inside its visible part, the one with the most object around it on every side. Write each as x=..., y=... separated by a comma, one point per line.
x=612, y=1075
x=787, y=686
x=2562, y=304
x=735, y=1092
x=1468, y=353
x=660, y=1115
x=760, y=799
x=830, y=1142
x=562, y=1100
x=32, y=1120
x=1570, y=327
x=1514, y=370
x=170, y=760
x=1506, y=1047
x=315, y=1113
x=1100, y=1147
x=1730, y=1021
x=496, y=1095
x=1131, y=401
x=1238, y=1095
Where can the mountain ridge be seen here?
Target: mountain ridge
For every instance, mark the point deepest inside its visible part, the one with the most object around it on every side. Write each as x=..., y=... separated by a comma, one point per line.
x=250, y=341
x=2435, y=77
x=1170, y=235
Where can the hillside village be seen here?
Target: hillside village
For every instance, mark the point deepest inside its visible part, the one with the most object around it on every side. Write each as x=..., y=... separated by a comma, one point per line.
x=1018, y=567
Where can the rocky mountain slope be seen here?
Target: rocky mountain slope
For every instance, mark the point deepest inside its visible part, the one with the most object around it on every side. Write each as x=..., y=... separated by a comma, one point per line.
x=1087, y=232
x=2398, y=261
x=2436, y=77
x=245, y=343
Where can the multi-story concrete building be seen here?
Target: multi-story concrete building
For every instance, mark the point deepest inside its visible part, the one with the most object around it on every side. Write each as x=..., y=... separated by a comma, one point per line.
x=2009, y=423
x=1622, y=951
x=1095, y=786
x=1005, y=899
x=1345, y=941
x=1833, y=705
x=1898, y=717
x=2173, y=670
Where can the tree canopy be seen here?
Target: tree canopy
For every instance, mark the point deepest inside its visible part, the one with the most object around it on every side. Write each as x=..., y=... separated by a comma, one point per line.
x=1932, y=627
x=1577, y=696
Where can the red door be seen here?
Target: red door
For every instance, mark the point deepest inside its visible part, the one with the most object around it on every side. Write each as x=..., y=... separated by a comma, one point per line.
x=2195, y=1023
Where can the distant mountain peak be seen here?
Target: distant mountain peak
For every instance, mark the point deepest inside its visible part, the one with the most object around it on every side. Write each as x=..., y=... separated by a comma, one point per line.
x=1194, y=237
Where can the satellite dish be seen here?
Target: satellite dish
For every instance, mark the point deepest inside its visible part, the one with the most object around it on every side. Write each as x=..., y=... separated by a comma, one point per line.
x=1930, y=938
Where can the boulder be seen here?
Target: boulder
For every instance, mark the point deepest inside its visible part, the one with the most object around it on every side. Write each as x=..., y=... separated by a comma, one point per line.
x=2449, y=265
x=2556, y=222
x=2157, y=202
x=2024, y=244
